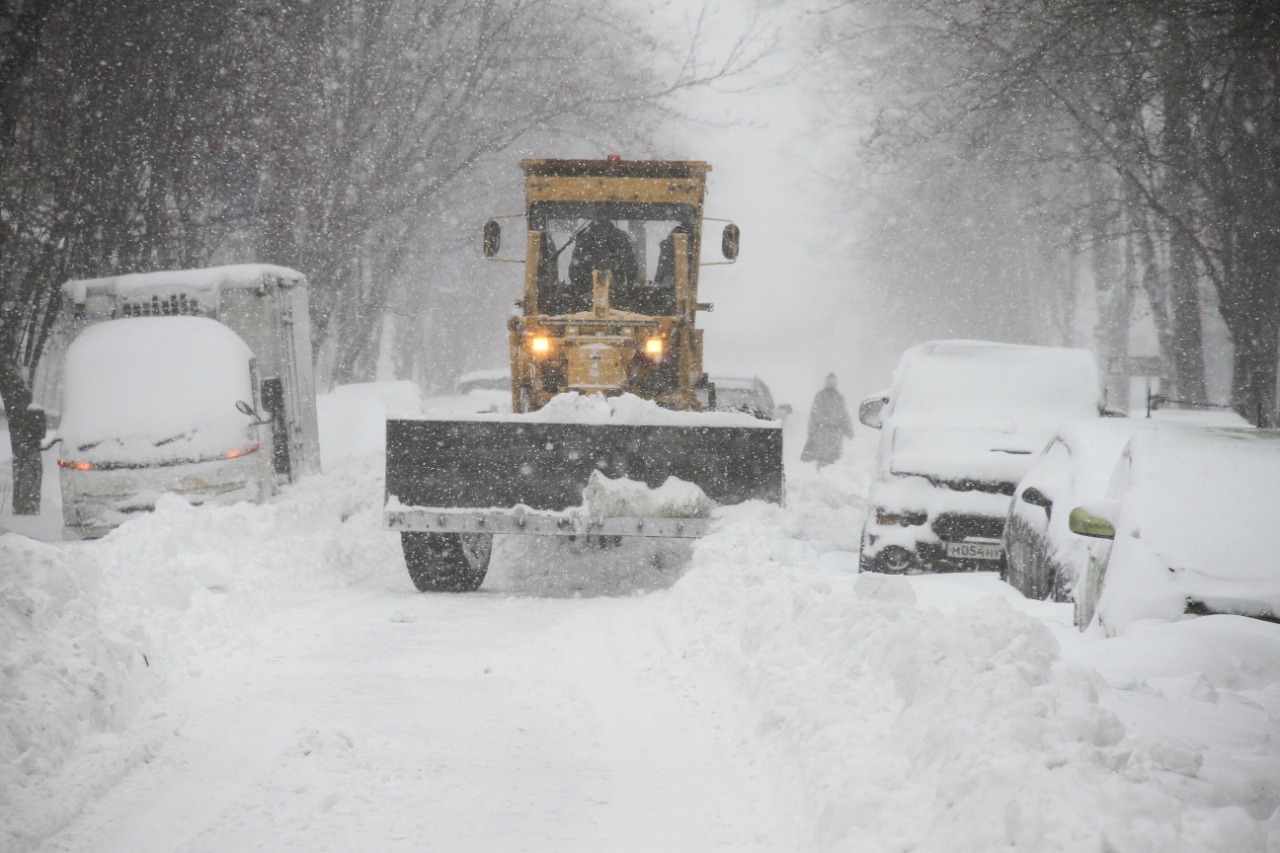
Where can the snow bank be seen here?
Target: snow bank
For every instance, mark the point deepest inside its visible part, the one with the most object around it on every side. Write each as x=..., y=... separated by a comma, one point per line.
x=909, y=728
x=93, y=635
x=66, y=672
x=353, y=419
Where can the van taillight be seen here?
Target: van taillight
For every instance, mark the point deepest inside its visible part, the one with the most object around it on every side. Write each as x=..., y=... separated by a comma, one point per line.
x=75, y=466
x=237, y=452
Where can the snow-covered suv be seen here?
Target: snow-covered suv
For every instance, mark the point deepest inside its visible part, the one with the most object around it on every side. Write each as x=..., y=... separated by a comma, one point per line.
x=960, y=425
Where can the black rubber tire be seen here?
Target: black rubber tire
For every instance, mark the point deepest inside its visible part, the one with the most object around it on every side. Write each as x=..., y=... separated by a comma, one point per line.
x=446, y=562
x=895, y=560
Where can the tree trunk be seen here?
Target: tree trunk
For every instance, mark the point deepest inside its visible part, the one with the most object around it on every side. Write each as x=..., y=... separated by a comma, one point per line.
x=1153, y=285
x=1114, y=287
x=26, y=431
x=1184, y=292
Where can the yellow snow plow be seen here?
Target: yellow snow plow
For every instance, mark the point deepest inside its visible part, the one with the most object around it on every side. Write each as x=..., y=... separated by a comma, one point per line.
x=612, y=432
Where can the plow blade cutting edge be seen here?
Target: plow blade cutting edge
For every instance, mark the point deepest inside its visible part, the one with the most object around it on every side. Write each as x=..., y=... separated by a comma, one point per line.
x=471, y=476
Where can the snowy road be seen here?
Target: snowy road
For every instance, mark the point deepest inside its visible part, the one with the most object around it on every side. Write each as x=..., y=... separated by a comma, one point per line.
x=392, y=721
x=265, y=678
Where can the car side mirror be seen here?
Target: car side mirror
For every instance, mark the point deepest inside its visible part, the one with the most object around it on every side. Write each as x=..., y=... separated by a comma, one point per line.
x=1085, y=523
x=492, y=238
x=869, y=411
x=247, y=410
x=729, y=241
x=1035, y=497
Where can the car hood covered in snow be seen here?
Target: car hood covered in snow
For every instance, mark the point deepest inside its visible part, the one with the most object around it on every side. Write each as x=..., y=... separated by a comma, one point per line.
x=967, y=458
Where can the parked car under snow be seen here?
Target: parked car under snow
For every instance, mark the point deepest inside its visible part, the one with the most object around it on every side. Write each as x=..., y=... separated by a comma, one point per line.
x=1191, y=518
x=742, y=394
x=960, y=425
x=158, y=405
x=1045, y=559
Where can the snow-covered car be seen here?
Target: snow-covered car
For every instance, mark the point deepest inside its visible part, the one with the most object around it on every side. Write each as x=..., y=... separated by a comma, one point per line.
x=1044, y=558
x=158, y=405
x=490, y=379
x=960, y=425
x=738, y=394
x=1190, y=515
x=487, y=390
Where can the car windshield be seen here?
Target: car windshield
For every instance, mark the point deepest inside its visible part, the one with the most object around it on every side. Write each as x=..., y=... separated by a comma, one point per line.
x=155, y=389
x=735, y=398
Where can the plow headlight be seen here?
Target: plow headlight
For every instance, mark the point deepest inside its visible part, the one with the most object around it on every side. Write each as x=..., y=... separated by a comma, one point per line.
x=653, y=347
x=541, y=344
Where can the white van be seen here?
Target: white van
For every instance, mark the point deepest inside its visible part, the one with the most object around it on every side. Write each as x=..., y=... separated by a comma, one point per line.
x=156, y=405
x=262, y=307
x=960, y=425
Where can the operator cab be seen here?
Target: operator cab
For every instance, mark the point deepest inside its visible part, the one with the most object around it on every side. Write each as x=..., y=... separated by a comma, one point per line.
x=643, y=280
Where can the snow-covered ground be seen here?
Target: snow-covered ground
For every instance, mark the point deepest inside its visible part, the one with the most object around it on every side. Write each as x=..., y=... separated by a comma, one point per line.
x=265, y=677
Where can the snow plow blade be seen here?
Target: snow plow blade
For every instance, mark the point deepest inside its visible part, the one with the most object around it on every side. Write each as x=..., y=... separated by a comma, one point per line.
x=472, y=476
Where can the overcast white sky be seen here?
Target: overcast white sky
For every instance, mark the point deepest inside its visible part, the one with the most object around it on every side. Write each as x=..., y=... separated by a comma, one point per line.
x=788, y=310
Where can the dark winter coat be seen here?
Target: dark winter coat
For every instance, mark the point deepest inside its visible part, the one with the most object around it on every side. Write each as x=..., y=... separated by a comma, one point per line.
x=829, y=425
x=602, y=246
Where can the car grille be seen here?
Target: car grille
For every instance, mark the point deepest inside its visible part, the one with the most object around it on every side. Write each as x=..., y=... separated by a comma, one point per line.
x=966, y=484
x=989, y=486
x=953, y=526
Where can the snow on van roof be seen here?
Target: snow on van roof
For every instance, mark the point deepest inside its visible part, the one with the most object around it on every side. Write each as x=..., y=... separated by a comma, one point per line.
x=210, y=279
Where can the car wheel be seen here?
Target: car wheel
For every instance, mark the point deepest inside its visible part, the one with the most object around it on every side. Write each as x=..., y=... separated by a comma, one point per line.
x=895, y=560
x=446, y=562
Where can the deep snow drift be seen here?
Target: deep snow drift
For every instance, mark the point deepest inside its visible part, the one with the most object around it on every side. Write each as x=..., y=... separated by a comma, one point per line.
x=747, y=691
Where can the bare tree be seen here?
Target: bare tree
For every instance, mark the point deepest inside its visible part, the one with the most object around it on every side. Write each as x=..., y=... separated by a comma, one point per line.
x=341, y=138
x=1170, y=97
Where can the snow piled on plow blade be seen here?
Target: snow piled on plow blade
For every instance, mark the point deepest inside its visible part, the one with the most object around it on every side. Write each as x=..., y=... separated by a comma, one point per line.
x=606, y=498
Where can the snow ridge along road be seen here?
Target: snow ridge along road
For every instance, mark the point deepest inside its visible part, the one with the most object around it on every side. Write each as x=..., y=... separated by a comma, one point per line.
x=264, y=677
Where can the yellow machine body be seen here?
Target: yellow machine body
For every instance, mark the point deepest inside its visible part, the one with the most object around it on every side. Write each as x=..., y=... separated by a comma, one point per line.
x=646, y=343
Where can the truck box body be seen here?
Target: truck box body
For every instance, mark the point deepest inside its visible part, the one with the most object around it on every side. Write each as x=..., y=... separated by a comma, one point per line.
x=265, y=305
x=152, y=384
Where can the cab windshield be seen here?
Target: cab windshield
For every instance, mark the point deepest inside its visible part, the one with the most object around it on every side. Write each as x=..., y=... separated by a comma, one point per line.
x=633, y=241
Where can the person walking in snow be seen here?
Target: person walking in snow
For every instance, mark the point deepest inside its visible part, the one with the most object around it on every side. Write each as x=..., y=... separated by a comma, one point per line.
x=829, y=425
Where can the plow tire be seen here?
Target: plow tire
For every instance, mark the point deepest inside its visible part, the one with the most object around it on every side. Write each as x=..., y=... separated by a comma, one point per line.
x=446, y=562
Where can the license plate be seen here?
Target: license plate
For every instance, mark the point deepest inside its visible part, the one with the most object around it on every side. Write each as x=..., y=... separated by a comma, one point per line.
x=975, y=550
